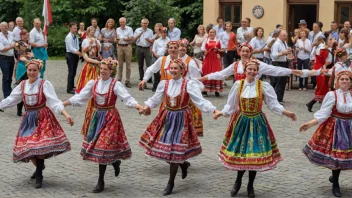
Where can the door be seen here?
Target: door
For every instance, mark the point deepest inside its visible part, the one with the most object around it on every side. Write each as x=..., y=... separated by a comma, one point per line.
x=298, y=12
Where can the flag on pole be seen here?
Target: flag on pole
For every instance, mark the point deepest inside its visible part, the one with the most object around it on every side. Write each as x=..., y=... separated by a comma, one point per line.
x=48, y=19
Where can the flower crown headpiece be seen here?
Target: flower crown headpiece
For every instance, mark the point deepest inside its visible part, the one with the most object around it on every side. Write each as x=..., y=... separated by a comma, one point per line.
x=113, y=64
x=183, y=41
x=179, y=62
x=252, y=61
x=37, y=62
x=173, y=43
x=338, y=76
x=340, y=52
x=245, y=45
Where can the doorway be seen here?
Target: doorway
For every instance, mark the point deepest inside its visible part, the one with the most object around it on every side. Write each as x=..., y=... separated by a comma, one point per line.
x=297, y=12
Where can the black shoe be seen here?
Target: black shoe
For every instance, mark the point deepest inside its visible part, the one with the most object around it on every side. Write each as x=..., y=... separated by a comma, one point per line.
x=184, y=168
x=128, y=85
x=100, y=187
x=1, y=110
x=310, y=106
x=330, y=179
x=250, y=192
x=168, y=189
x=217, y=94
x=154, y=90
x=235, y=189
x=39, y=182
x=150, y=81
x=205, y=93
x=35, y=172
x=116, y=166
x=19, y=113
x=71, y=92
x=336, y=191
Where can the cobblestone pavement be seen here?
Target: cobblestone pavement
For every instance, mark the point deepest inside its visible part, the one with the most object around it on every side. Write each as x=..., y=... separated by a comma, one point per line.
x=69, y=176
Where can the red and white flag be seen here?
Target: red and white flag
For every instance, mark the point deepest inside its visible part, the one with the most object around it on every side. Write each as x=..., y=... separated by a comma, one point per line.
x=48, y=19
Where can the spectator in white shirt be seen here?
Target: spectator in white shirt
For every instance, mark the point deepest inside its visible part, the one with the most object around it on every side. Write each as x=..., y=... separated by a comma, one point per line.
x=174, y=33
x=315, y=33
x=38, y=44
x=143, y=38
x=279, y=53
x=244, y=28
x=94, y=23
x=72, y=56
x=219, y=28
x=258, y=43
x=198, y=41
x=159, y=50
x=7, y=63
x=11, y=26
x=343, y=38
x=304, y=48
x=17, y=30
x=124, y=50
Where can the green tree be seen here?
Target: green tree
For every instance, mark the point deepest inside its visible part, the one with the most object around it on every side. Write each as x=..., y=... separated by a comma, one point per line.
x=9, y=10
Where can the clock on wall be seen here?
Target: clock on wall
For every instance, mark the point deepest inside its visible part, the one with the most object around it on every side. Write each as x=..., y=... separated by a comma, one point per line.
x=258, y=11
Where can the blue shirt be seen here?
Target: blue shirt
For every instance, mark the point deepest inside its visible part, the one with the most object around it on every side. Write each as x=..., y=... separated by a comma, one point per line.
x=175, y=35
x=335, y=35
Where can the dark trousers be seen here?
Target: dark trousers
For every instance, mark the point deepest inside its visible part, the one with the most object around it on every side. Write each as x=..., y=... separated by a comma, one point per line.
x=228, y=58
x=279, y=83
x=7, y=64
x=143, y=53
x=156, y=76
x=72, y=63
x=303, y=64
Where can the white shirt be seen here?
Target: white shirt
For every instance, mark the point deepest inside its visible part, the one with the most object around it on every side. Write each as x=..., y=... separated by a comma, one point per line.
x=313, y=37
x=36, y=37
x=257, y=44
x=224, y=38
x=6, y=42
x=192, y=72
x=277, y=48
x=127, y=32
x=160, y=46
x=219, y=30
x=240, y=32
x=16, y=33
x=72, y=45
x=264, y=69
x=192, y=65
x=267, y=53
x=175, y=34
x=102, y=88
x=86, y=41
x=250, y=91
x=52, y=100
x=148, y=34
x=329, y=102
x=303, y=55
x=194, y=88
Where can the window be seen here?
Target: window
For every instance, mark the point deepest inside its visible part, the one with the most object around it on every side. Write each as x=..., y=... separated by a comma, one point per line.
x=343, y=13
x=231, y=12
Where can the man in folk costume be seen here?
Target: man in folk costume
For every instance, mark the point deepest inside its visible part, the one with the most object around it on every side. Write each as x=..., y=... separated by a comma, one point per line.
x=163, y=65
x=190, y=62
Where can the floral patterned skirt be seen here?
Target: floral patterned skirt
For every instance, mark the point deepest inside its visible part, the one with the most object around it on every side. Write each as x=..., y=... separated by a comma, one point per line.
x=171, y=137
x=105, y=141
x=249, y=144
x=40, y=134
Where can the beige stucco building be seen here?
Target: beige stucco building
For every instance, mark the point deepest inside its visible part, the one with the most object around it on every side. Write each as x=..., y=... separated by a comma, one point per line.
x=285, y=12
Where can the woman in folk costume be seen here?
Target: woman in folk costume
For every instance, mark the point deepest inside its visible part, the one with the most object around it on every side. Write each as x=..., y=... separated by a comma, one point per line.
x=321, y=54
x=90, y=49
x=212, y=50
x=171, y=137
x=330, y=145
x=23, y=54
x=105, y=141
x=249, y=142
x=40, y=135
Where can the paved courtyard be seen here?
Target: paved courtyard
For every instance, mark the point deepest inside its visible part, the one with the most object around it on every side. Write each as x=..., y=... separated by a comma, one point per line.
x=69, y=176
